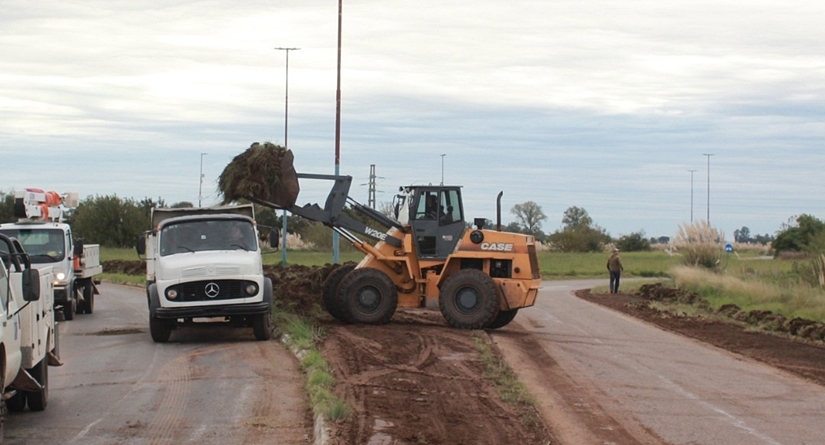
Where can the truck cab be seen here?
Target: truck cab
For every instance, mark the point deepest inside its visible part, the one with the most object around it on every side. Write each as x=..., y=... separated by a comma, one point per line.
x=204, y=264
x=49, y=243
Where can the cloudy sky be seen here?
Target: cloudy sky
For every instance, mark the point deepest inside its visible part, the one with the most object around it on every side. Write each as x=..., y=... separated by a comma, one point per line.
x=601, y=104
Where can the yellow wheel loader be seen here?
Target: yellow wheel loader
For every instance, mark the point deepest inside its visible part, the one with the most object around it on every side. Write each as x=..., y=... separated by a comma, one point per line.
x=429, y=258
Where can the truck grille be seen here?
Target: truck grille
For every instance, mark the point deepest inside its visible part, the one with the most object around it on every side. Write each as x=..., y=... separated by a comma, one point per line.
x=210, y=290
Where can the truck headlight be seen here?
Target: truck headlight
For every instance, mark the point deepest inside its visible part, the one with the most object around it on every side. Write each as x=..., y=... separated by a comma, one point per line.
x=251, y=289
x=171, y=293
x=60, y=276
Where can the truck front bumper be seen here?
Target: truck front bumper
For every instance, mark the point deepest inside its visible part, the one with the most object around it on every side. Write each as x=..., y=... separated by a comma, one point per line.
x=223, y=310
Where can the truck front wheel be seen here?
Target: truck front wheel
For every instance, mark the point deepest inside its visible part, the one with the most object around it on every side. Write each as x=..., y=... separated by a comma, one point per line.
x=160, y=329
x=69, y=308
x=39, y=400
x=262, y=326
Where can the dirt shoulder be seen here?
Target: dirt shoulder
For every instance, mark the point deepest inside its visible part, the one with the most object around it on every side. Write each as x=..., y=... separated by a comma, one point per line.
x=801, y=357
x=417, y=380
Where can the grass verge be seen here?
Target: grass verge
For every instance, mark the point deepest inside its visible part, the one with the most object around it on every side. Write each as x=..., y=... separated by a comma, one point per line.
x=302, y=336
x=509, y=387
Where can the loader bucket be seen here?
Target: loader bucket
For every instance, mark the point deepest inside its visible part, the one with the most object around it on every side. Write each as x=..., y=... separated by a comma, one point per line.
x=264, y=172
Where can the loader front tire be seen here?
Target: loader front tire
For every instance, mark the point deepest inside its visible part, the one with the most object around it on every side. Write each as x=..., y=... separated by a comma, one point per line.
x=331, y=285
x=503, y=319
x=367, y=296
x=468, y=299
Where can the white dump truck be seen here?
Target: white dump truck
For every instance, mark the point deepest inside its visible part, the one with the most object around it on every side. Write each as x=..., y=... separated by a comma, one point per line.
x=204, y=265
x=28, y=338
x=48, y=241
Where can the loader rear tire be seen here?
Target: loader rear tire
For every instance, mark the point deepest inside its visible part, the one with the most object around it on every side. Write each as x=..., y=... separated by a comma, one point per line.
x=468, y=299
x=367, y=296
x=503, y=319
x=331, y=285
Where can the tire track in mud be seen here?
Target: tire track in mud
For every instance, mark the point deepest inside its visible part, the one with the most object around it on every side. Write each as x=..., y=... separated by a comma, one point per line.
x=419, y=381
x=174, y=375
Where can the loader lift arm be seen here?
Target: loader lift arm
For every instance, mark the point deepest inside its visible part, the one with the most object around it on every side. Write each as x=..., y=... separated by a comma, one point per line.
x=331, y=215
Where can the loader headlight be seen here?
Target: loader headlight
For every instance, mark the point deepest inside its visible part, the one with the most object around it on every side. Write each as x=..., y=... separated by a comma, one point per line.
x=171, y=294
x=251, y=289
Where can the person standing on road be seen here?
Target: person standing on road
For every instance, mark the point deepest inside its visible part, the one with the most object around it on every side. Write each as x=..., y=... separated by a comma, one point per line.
x=615, y=267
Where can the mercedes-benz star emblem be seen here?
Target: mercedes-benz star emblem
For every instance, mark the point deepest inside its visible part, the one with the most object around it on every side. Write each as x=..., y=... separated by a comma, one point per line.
x=212, y=290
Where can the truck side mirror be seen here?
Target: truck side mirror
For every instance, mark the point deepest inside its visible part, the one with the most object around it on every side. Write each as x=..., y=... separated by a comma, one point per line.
x=274, y=238
x=31, y=285
x=78, y=247
x=140, y=245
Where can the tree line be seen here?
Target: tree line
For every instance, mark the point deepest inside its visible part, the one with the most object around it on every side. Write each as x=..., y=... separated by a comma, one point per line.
x=114, y=221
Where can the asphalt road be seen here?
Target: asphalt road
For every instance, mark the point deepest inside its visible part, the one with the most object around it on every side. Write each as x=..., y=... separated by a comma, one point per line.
x=603, y=372
x=208, y=385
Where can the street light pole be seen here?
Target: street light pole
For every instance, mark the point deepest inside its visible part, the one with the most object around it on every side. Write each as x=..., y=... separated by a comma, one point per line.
x=335, y=241
x=708, y=155
x=200, y=185
x=286, y=134
x=691, y=195
x=442, y=168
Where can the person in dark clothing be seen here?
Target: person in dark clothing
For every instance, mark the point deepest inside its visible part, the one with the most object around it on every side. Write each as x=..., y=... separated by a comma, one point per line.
x=615, y=267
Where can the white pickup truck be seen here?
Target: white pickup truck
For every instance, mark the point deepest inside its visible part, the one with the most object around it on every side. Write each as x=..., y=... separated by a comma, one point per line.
x=50, y=244
x=204, y=264
x=28, y=338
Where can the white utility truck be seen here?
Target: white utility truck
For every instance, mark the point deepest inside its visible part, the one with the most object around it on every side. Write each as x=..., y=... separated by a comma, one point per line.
x=48, y=241
x=204, y=264
x=28, y=338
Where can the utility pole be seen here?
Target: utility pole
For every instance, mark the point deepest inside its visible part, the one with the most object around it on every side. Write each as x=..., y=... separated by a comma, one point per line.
x=708, y=155
x=691, y=195
x=335, y=247
x=200, y=185
x=286, y=133
x=371, y=192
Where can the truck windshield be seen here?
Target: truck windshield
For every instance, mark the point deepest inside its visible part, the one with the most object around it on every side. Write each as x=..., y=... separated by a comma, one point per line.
x=200, y=235
x=42, y=245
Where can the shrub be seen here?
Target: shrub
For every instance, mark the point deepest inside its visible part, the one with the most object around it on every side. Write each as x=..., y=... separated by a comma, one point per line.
x=700, y=244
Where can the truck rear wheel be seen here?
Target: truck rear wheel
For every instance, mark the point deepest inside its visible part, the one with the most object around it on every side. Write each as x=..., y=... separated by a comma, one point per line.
x=468, y=299
x=502, y=319
x=89, y=298
x=367, y=296
x=331, y=285
x=39, y=400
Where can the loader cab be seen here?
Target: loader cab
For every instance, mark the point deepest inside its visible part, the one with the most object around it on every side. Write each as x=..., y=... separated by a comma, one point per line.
x=436, y=216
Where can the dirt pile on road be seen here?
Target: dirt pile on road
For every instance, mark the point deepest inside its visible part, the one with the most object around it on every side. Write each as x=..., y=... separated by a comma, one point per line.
x=298, y=289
